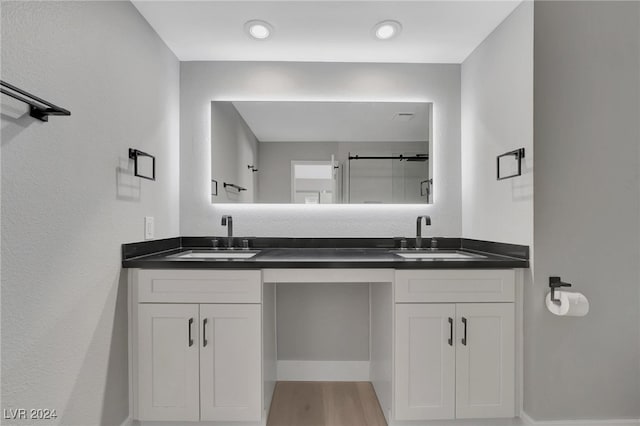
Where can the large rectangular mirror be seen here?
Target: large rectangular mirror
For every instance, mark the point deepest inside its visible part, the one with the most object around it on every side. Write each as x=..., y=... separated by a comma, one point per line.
x=321, y=152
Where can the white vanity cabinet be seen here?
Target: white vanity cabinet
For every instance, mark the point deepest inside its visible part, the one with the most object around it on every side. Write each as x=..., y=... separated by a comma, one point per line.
x=197, y=345
x=485, y=360
x=230, y=363
x=442, y=342
x=168, y=371
x=454, y=349
x=425, y=362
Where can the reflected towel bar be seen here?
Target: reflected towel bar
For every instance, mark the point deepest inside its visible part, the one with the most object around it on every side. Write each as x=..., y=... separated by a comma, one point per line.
x=234, y=186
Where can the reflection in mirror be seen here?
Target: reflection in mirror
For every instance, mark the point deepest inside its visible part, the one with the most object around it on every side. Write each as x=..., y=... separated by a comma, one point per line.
x=314, y=182
x=322, y=152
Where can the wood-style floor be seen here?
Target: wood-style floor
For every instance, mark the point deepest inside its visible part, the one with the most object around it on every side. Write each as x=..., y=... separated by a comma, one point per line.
x=325, y=404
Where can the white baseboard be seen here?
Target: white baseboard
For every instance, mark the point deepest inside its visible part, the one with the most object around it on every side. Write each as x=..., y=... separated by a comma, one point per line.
x=523, y=420
x=510, y=421
x=127, y=422
x=196, y=423
x=324, y=371
x=619, y=422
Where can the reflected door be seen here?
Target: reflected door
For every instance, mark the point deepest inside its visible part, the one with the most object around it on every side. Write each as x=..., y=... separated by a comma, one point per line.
x=313, y=182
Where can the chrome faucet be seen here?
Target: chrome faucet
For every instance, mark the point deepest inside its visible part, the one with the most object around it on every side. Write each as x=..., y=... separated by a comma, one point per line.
x=227, y=221
x=427, y=222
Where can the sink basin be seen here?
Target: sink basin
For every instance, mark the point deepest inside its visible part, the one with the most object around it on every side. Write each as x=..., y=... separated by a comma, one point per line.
x=215, y=254
x=441, y=255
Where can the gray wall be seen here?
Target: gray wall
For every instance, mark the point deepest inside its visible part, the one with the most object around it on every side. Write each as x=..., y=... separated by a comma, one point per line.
x=587, y=218
x=69, y=199
x=323, y=322
x=202, y=82
x=497, y=117
x=233, y=147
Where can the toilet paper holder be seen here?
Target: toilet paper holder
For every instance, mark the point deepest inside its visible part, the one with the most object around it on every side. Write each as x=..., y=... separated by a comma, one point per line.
x=554, y=283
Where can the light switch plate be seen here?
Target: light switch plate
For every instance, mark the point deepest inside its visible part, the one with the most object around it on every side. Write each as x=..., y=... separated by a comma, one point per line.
x=148, y=227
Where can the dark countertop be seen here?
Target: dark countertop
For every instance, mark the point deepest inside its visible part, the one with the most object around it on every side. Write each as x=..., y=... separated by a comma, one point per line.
x=366, y=253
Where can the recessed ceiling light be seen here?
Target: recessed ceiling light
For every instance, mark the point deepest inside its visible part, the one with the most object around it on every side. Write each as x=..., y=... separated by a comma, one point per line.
x=386, y=30
x=258, y=30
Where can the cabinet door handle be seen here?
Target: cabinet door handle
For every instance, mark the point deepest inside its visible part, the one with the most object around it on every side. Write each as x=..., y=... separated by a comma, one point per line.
x=204, y=332
x=450, y=341
x=464, y=338
x=190, y=327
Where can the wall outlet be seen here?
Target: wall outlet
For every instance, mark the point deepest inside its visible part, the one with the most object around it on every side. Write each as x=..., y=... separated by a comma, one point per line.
x=148, y=227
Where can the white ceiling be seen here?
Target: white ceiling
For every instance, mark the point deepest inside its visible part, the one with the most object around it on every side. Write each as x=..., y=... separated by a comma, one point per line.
x=325, y=31
x=335, y=121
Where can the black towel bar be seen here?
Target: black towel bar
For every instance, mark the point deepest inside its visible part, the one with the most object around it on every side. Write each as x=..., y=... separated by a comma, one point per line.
x=38, y=108
x=135, y=154
x=518, y=154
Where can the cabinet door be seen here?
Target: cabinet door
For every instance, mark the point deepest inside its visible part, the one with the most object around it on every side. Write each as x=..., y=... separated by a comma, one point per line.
x=230, y=363
x=425, y=361
x=168, y=371
x=485, y=371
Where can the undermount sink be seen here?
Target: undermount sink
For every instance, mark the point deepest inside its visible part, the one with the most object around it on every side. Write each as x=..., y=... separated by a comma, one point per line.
x=215, y=254
x=443, y=255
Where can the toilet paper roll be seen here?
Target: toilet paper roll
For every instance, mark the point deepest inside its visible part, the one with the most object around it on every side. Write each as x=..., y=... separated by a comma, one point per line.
x=571, y=304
